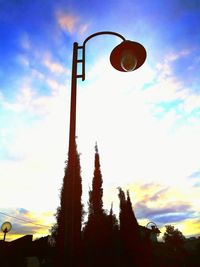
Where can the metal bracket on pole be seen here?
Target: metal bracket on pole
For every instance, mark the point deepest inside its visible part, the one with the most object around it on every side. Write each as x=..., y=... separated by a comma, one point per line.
x=81, y=61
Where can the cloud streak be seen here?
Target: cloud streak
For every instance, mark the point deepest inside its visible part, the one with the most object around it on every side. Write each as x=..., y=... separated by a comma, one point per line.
x=24, y=222
x=54, y=67
x=170, y=209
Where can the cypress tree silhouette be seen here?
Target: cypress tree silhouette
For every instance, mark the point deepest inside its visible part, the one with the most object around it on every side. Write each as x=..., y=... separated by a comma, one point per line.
x=96, y=194
x=98, y=229
x=69, y=217
x=129, y=232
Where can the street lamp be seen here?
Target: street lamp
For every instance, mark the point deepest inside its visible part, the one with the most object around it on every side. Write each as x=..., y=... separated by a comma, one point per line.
x=6, y=227
x=127, y=56
x=154, y=231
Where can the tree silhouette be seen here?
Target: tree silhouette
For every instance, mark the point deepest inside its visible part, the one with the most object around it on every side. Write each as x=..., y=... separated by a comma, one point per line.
x=173, y=236
x=98, y=228
x=96, y=194
x=129, y=230
x=136, y=252
x=174, y=240
x=69, y=216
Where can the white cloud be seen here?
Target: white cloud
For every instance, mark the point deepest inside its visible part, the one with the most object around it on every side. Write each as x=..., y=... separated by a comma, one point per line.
x=28, y=100
x=165, y=67
x=23, y=60
x=25, y=41
x=191, y=102
x=56, y=88
x=37, y=74
x=23, y=100
x=176, y=55
x=83, y=28
x=167, y=87
x=38, y=149
x=54, y=67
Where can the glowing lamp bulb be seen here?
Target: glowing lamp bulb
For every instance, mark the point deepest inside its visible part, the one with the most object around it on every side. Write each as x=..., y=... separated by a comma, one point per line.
x=128, y=62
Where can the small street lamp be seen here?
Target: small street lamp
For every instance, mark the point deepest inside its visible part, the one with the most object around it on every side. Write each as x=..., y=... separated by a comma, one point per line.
x=6, y=227
x=125, y=57
x=154, y=231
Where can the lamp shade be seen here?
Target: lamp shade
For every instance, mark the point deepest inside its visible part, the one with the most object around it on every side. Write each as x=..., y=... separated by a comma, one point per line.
x=6, y=227
x=128, y=56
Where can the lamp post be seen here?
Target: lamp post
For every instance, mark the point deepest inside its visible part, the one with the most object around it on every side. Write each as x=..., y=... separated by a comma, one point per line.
x=127, y=56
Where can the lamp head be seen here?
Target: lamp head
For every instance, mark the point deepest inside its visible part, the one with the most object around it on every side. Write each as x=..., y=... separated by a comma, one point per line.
x=6, y=227
x=128, y=56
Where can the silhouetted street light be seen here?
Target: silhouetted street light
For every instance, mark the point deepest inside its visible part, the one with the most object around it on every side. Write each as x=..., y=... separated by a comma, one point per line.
x=154, y=230
x=127, y=56
x=6, y=227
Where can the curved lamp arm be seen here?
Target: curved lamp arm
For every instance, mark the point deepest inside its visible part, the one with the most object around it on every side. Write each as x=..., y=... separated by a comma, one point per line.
x=104, y=32
x=83, y=49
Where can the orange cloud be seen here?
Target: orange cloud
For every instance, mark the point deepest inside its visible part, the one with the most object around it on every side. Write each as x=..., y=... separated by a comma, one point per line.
x=71, y=23
x=67, y=22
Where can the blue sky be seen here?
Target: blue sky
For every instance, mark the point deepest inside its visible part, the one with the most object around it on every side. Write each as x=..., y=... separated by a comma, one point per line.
x=146, y=123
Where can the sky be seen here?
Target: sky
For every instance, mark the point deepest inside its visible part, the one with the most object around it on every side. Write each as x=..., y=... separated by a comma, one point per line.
x=146, y=122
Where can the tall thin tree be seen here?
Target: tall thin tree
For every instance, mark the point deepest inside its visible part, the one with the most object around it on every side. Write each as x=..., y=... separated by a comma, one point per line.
x=69, y=216
x=129, y=231
x=98, y=230
x=96, y=194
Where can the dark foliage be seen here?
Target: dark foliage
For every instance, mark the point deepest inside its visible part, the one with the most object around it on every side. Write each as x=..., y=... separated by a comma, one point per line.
x=44, y=251
x=96, y=194
x=99, y=229
x=136, y=252
x=173, y=236
x=175, y=250
x=67, y=231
